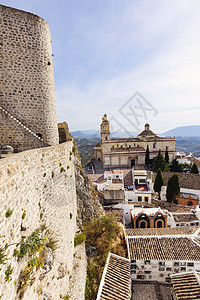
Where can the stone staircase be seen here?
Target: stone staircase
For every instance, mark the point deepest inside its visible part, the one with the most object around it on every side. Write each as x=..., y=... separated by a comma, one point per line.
x=19, y=123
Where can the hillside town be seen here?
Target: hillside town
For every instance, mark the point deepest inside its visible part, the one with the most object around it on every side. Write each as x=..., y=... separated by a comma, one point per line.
x=161, y=231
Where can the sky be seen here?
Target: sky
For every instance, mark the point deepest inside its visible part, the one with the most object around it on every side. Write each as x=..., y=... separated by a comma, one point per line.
x=136, y=60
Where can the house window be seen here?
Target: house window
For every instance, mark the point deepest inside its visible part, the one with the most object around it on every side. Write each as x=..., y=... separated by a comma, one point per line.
x=191, y=264
x=133, y=267
x=161, y=263
x=147, y=262
x=129, y=200
x=168, y=269
x=142, y=181
x=146, y=199
x=176, y=264
x=161, y=269
x=139, y=198
x=140, y=276
x=154, y=146
x=168, y=279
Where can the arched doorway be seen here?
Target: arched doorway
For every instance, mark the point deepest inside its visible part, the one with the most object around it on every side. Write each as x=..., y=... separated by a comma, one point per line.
x=142, y=220
x=159, y=224
x=132, y=162
x=143, y=224
x=159, y=218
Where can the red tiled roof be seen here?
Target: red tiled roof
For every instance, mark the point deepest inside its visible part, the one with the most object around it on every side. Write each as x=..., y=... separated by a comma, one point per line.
x=117, y=279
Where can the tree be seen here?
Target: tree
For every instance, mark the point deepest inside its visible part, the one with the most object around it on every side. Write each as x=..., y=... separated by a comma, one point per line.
x=158, y=183
x=175, y=166
x=159, y=162
x=173, y=188
x=147, y=159
x=194, y=169
x=166, y=156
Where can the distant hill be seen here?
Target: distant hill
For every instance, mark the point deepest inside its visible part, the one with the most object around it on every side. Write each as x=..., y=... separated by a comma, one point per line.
x=96, y=134
x=184, y=131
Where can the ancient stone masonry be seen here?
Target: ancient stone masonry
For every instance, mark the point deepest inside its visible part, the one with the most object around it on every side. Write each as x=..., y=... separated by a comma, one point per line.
x=39, y=186
x=26, y=81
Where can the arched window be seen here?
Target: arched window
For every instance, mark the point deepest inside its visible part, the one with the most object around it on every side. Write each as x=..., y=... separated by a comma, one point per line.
x=159, y=224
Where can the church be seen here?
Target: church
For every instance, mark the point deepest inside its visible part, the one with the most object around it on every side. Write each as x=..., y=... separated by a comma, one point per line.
x=130, y=152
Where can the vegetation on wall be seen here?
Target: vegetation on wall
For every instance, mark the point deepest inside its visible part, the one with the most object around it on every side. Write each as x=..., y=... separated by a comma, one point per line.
x=103, y=234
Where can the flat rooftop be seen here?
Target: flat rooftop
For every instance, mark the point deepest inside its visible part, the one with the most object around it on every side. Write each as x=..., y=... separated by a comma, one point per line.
x=184, y=217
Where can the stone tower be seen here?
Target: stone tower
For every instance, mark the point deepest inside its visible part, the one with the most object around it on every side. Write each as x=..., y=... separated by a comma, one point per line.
x=27, y=94
x=105, y=129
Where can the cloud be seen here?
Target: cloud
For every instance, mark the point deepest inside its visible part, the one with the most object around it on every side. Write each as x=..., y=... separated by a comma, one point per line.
x=107, y=50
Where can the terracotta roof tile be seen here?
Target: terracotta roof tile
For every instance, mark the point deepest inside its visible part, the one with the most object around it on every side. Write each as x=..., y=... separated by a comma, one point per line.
x=116, y=283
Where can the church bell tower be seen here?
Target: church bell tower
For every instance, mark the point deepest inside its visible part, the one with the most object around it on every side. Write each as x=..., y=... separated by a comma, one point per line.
x=105, y=129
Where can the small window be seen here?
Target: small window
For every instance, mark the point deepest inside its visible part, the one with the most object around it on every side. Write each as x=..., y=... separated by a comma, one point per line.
x=133, y=266
x=140, y=276
x=133, y=261
x=147, y=272
x=176, y=264
x=139, y=198
x=142, y=181
x=147, y=262
x=129, y=200
x=168, y=279
x=154, y=145
x=161, y=263
x=191, y=264
x=146, y=199
x=161, y=268
x=183, y=268
x=168, y=269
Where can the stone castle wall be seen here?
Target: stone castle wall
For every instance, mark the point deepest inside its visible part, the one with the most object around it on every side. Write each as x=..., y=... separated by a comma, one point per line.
x=27, y=90
x=41, y=184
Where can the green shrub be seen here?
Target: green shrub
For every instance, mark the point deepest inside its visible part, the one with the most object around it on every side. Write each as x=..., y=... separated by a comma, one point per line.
x=9, y=213
x=8, y=273
x=23, y=215
x=66, y=297
x=41, y=215
x=62, y=169
x=79, y=238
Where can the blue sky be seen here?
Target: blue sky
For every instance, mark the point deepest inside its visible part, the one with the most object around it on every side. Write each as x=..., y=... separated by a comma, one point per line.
x=105, y=51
